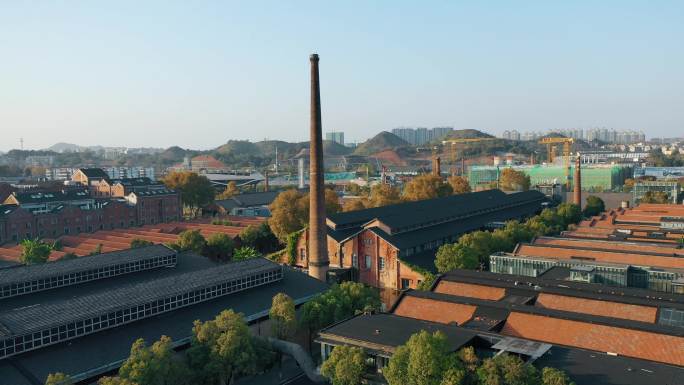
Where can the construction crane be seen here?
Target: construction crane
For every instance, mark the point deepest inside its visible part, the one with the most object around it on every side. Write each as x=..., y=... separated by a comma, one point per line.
x=551, y=143
x=451, y=148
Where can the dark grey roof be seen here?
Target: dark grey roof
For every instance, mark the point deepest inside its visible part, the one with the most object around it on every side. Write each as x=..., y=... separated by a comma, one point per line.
x=403, y=216
x=135, y=182
x=26, y=197
x=390, y=330
x=164, y=191
x=7, y=209
x=86, y=353
x=20, y=274
x=94, y=173
x=82, y=307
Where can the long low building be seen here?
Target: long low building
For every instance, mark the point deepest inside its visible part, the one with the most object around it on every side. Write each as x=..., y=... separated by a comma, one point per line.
x=394, y=246
x=63, y=328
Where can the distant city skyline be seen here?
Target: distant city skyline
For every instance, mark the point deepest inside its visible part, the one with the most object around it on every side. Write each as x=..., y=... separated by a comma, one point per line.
x=157, y=74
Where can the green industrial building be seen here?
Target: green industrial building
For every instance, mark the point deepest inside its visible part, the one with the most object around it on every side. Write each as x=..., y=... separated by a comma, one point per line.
x=595, y=178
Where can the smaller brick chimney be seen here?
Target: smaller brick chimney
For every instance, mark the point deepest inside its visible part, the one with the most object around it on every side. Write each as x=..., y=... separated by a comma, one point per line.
x=577, y=193
x=436, y=166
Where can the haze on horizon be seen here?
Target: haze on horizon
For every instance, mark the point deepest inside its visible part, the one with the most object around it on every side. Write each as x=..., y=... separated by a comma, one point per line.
x=161, y=73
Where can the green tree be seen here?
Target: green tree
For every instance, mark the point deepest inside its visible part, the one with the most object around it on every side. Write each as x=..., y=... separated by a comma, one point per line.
x=282, y=316
x=115, y=381
x=221, y=349
x=339, y=302
x=423, y=360
x=507, y=369
x=345, y=366
x=452, y=256
x=459, y=184
x=154, y=365
x=191, y=240
x=552, y=376
x=594, y=206
x=34, y=251
x=426, y=186
x=245, y=253
x=513, y=180
x=570, y=213
x=219, y=246
x=518, y=232
x=384, y=195
x=196, y=190
x=355, y=204
x=139, y=242
x=58, y=379
x=288, y=214
x=260, y=237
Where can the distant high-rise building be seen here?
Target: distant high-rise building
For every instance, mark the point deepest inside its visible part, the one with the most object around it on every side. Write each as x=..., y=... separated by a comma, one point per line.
x=422, y=135
x=408, y=134
x=441, y=132
x=335, y=136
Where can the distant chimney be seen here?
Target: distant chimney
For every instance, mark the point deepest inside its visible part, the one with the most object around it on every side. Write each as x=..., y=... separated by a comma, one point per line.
x=300, y=167
x=577, y=195
x=266, y=181
x=436, y=166
x=318, y=248
x=532, y=159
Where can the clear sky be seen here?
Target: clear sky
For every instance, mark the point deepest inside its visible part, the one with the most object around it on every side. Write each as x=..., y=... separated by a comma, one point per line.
x=196, y=74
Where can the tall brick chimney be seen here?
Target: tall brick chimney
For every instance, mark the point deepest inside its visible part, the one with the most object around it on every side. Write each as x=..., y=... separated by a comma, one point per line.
x=436, y=166
x=577, y=193
x=318, y=248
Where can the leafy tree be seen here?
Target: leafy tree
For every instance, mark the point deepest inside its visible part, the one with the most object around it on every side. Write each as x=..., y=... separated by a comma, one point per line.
x=219, y=246
x=58, y=379
x=222, y=349
x=655, y=197
x=154, y=365
x=34, y=251
x=355, y=204
x=244, y=253
x=345, y=366
x=196, y=190
x=507, y=369
x=290, y=211
x=513, y=180
x=594, y=206
x=287, y=214
x=423, y=360
x=139, y=242
x=426, y=186
x=459, y=184
x=456, y=256
x=552, y=376
x=339, y=302
x=628, y=186
x=260, y=237
x=570, y=213
x=384, y=195
x=518, y=232
x=97, y=250
x=115, y=381
x=230, y=191
x=191, y=240
x=282, y=316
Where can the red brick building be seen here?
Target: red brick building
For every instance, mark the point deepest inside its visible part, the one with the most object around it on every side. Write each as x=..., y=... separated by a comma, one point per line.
x=393, y=246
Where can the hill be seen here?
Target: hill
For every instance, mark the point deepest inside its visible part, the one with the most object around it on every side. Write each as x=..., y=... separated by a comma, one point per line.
x=64, y=147
x=380, y=142
x=468, y=134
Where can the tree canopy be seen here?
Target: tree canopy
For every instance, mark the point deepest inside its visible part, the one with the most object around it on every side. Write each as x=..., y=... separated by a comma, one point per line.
x=513, y=180
x=58, y=379
x=459, y=184
x=383, y=195
x=244, y=253
x=139, y=242
x=339, y=302
x=230, y=191
x=594, y=206
x=655, y=197
x=426, y=186
x=259, y=237
x=456, y=256
x=191, y=240
x=196, y=190
x=345, y=366
x=219, y=246
x=423, y=360
x=34, y=251
x=282, y=316
x=290, y=211
x=154, y=365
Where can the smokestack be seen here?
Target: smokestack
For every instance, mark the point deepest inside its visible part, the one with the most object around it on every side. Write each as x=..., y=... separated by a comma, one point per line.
x=436, y=166
x=577, y=194
x=300, y=169
x=266, y=181
x=532, y=159
x=318, y=248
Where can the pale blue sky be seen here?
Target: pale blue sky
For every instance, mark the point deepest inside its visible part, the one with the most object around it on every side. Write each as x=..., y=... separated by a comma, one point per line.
x=161, y=73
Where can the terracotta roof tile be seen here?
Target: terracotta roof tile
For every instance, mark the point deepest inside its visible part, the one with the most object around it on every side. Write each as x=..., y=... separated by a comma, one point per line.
x=434, y=311
x=596, y=307
x=462, y=289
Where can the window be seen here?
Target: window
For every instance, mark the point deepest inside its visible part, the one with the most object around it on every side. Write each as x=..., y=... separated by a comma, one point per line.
x=355, y=260
x=405, y=283
x=302, y=254
x=368, y=261
x=381, y=263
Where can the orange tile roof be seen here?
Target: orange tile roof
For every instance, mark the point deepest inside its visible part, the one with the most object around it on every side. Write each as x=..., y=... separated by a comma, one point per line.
x=435, y=311
x=602, y=338
x=462, y=289
x=609, y=245
x=597, y=307
x=600, y=256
